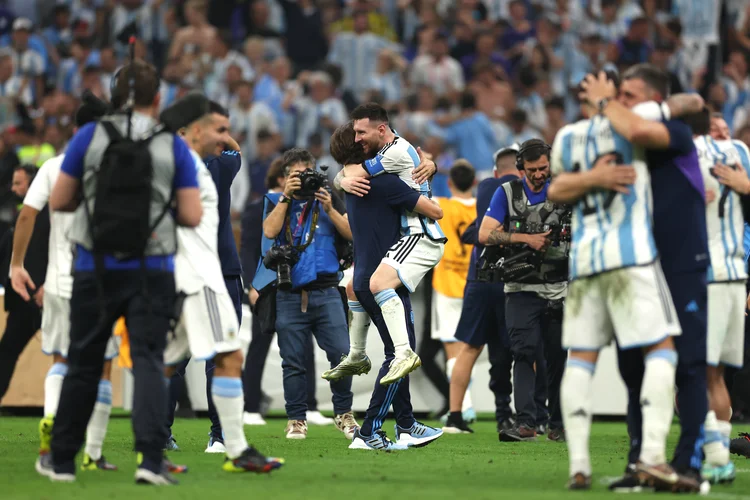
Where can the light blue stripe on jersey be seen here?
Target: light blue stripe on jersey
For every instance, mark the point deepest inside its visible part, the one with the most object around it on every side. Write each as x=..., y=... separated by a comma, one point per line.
x=595, y=200
x=374, y=166
x=606, y=216
x=567, y=151
x=746, y=242
x=625, y=234
x=722, y=157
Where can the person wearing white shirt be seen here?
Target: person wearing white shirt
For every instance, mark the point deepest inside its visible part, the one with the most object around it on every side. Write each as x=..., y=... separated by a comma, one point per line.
x=320, y=112
x=438, y=70
x=224, y=56
x=13, y=87
x=247, y=118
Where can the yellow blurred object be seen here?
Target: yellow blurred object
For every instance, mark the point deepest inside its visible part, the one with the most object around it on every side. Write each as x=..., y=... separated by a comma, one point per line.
x=123, y=360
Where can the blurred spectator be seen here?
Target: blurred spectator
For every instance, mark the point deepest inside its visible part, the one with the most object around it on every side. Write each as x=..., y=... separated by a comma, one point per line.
x=320, y=112
x=494, y=95
x=736, y=87
x=266, y=151
x=279, y=93
x=59, y=35
x=463, y=44
x=29, y=55
x=661, y=57
x=82, y=56
x=377, y=22
x=555, y=111
x=439, y=70
x=485, y=52
x=260, y=26
x=322, y=156
x=700, y=31
x=529, y=98
x=388, y=78
x=224, y=56
x=198, y=36
x=519, y=130
x=248, y=118
x=634, y=47
x=13, y=87
x=306, y=43
x=519, y=30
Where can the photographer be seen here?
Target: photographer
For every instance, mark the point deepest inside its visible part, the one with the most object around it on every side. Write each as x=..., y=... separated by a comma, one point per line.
x=528, y=226
x=300, y=228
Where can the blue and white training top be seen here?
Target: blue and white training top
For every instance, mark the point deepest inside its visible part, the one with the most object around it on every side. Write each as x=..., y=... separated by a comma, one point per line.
x=724, y=220
x=610, y=230
x=401, y=158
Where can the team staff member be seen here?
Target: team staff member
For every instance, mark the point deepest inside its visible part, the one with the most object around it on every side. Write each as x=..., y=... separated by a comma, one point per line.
x=24, y=317
x=533, y=304
x=121, y=281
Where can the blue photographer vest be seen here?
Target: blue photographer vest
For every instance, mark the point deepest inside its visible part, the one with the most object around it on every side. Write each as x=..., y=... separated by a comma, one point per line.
x=318, y=258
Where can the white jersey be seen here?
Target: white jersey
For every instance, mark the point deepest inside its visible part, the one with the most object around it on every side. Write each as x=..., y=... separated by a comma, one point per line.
x=197, y=262
x=401, y=158
x=609, y=230
x=59, y=278
x=724, y=219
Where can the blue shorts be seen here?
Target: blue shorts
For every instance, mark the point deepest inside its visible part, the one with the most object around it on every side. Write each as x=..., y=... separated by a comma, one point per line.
x=482, y=314
x=690, y=296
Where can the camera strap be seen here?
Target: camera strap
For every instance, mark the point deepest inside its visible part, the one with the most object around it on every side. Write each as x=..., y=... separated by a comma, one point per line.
x=288, y=224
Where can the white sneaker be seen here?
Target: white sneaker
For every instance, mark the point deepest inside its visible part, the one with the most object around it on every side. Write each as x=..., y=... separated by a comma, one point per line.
x=215, y=446
x=317, y=418
x=253, y=419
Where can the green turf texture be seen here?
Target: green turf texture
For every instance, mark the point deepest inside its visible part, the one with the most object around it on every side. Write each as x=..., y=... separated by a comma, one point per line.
x=321, y=467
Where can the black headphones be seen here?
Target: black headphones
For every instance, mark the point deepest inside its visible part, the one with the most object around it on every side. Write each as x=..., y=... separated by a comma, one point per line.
x=530, y=145
x=120, y=73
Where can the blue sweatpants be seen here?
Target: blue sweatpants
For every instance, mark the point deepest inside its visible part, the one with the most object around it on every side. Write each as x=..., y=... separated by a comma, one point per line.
x=396, y=394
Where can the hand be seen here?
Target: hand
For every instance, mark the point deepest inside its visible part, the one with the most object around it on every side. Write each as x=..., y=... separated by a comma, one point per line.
x=231, y=144
x=293, y=184
x=324, y=197
x=596, y=88
x=425, y=169
x=358, y=186
x=710, y=196
x=734, y=178
x=21, y=282
x=607, y=175
x=252, y=296
x=537, y=241
x=39, y=296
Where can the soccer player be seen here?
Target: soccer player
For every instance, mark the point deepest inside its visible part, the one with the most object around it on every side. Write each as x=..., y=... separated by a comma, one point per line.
x=449, y=277
x=723, y=163
x=411, y=257
x=56, y=291
x=617, y=288
x=375, y=221
x=208, y=327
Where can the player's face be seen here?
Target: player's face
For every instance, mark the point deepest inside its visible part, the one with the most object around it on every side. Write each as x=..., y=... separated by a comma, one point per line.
x=633, y=92
x=537, y=172
x=214, y=135
x=371, y=136
x=719, y=130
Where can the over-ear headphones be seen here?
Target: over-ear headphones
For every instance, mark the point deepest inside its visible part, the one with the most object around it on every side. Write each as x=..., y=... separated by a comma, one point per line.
x=531, y=145
x=114, y=83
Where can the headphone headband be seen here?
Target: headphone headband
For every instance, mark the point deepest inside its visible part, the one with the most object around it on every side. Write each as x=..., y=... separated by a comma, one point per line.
x=526, y=147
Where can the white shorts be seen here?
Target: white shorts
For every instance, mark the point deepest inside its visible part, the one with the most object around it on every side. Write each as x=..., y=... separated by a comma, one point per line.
x=412, y=257
x=726, y=324
x=632, y=304
x=446, y=311
x=208, y=326
x=56, y=328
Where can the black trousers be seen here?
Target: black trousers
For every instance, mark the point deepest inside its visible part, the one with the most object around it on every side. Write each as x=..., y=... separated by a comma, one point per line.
x=252, y=376
x=24, y=320
x=147, y=315
x=531, y=322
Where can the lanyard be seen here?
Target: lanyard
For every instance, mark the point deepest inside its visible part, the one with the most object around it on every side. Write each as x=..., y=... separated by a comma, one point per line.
x=301, y=225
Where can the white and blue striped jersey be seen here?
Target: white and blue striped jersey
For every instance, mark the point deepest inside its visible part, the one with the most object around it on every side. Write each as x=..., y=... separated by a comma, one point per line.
x=609, y=230
x=699, y=19
x=724, y=220
x=401, y=158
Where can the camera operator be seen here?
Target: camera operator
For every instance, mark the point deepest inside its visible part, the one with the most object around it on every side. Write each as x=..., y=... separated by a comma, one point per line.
x=300, y=227
x=522, y=220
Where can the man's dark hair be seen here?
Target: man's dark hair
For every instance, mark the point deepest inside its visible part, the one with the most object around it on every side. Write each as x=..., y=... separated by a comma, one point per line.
x=462, y=175
x=518, y=115
x=30, y=170
x=372, y=111
x=343, y=148
x=532, y=150
x=184, y=111
x=215, y=107
x=555, y=102
x=275, y=171
x=655, y=78
x=146, y=84
x=294, y=156
x=468, y=101
x=315, y=139
x=264, y=134
x=700, y=122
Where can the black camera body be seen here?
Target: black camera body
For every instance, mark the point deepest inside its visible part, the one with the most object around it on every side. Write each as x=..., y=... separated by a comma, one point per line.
x=281, y=259
x=312, y=181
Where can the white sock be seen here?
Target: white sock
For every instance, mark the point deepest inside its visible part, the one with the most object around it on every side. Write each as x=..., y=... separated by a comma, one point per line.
x=97, y=428
x=576, y=403
x=395, y=319
x=716, y=452
x=230, y=405
x=657, y=404
x=358, y=328
x=53, y=388
x=467, y=403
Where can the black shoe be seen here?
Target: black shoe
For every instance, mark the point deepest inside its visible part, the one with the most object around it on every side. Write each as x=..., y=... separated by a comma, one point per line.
x=629, y=482
x=541, y=430
x=579, y=482
x=504, y=425
x=265, y=404
x=456, y=425
x=518, y=433
x=741, y=445
x=147, y=476
x=252, y=460
x=557, y=435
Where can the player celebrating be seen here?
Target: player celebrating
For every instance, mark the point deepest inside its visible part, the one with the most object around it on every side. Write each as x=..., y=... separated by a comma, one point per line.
x=56, y=292
x=723, y=162
x=411, y=257
x=208, y=327
x=617, y=288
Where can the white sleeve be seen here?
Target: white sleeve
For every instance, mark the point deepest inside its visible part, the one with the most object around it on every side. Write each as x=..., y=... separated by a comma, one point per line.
x=240, y=188
x=556, y=166
x=387, y=162
x=653, y=111
x=38, y=194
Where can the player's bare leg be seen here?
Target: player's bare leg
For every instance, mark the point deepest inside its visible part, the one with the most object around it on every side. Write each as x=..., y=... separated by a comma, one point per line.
x=459, y=384
x=383, y=285
x=576, y=401
x=452, y=350
x=356, y=361
x=97, y=428
x=718, y=467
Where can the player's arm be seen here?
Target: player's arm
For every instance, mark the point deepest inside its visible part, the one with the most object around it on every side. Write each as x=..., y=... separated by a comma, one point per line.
x=66, y=194
x=569, y=187
x=403, y=197
x=19, y=278
x=353, y=179
x=185, y=183
x=275, y=221
x=428, y=208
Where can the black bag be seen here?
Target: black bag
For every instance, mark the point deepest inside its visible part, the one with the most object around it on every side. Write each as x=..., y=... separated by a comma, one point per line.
x=265, y=310
x=120, y=222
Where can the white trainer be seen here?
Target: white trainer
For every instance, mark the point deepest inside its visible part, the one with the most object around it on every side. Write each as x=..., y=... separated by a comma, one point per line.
x=317, y=418
x=253, y=419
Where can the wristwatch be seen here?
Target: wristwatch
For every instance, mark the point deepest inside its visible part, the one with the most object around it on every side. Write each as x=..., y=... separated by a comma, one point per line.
x=602, y=104
x=284, y=199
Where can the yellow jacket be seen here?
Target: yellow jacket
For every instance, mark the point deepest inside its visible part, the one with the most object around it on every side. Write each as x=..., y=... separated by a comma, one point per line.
x=123, y=360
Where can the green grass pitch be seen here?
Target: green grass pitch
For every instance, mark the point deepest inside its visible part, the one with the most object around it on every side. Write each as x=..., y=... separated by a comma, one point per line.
x=321, y=467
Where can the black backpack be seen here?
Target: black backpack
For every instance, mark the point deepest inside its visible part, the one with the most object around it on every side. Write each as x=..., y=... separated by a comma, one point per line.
x=120, y=222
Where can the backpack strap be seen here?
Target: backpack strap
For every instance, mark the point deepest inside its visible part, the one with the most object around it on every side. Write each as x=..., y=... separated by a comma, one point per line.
x=519, y=199
x=112, y=132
